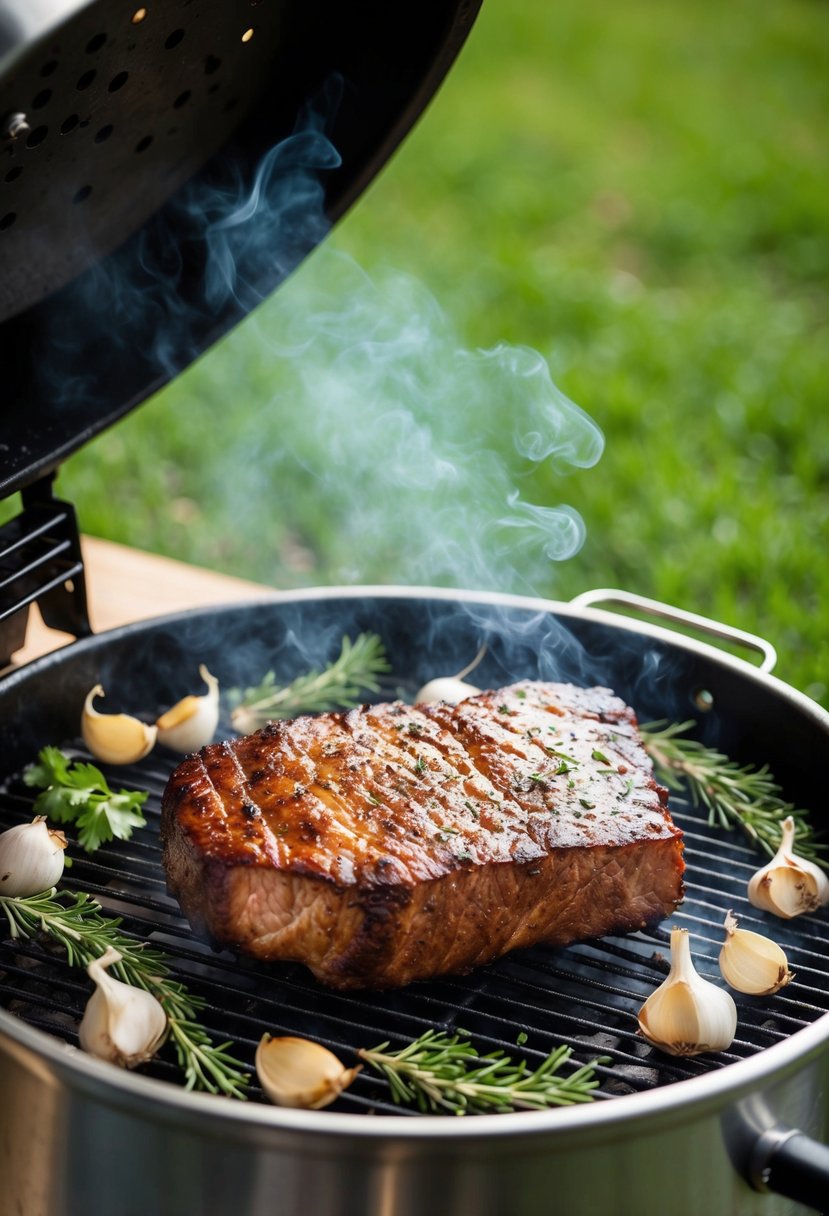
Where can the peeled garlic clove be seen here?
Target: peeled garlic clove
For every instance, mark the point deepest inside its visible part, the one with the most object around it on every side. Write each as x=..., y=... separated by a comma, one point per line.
x=752, y=963
x=446, y=688
x=31, y=858
x=299, y=1073
x=115, y=738
x=122, y=1024
x=191, y=723
x=451, y=689
x=687, y=1015
x=789, y=886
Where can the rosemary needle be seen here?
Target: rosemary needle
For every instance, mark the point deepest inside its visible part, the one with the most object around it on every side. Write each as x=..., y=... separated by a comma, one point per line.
x=85, y=935
x=444, y=1073
x=337, y=686
x=734, y=796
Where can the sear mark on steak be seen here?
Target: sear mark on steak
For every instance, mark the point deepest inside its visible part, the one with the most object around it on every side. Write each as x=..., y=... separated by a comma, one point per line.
x=396, y=842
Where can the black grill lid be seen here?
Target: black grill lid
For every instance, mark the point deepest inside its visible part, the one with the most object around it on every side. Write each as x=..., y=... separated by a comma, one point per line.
x=163, y=166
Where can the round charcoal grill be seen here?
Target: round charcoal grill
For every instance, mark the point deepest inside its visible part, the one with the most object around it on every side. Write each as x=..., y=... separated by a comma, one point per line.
x=587, y=995
x=131, y=135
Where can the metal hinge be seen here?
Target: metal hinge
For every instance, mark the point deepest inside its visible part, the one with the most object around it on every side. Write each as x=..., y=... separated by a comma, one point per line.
x=41, y=563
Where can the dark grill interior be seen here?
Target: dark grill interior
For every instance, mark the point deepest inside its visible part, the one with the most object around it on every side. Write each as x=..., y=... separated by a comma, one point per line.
x=587, y=995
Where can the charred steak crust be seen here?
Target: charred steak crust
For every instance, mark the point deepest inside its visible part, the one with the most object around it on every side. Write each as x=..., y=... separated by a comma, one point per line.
x=396, y=842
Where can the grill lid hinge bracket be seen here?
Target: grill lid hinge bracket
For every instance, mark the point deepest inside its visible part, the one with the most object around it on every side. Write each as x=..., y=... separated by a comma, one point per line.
x=41, y=563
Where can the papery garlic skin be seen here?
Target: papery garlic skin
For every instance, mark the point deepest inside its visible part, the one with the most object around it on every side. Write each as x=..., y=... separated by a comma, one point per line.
x=115, y=738
x=789, y=885
x=122, y=1024
x=191, y=723
x=299, y=1073
x=446, y=688
x=752, y=963
x=31, y=858
x=687, y=1015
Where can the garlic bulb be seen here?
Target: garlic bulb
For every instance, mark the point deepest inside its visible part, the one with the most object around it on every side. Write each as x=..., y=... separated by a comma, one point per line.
x=192, y=722
x=446, y=688
x=687, y=1015
x=122, y=1024
x=789, y=885
x=115, y=738
x=752, y=963
x=299, y=1073
x=31, y=858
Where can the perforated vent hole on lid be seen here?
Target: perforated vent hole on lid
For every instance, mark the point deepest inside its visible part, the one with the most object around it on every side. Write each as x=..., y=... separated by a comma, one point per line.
x=37, y=136
x=7, y=220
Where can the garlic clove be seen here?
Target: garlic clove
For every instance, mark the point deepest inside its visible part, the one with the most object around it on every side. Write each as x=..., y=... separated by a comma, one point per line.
x=451, y=689
x=115, y=738
x=192, y=722
x=752, y=963
x=687, y=1015
x=298, y=1073
x=446, y=688
x=31, y=858
x=122, y=1024
x=788, y=885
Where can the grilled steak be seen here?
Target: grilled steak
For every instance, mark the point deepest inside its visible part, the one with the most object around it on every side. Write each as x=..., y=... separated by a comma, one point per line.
x=395, y=842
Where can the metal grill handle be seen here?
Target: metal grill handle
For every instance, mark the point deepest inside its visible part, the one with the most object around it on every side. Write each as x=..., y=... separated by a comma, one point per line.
x=792, y=1164
x=679, y=616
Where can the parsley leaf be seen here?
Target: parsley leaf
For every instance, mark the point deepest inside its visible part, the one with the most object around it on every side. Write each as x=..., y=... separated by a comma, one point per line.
x=77, y=792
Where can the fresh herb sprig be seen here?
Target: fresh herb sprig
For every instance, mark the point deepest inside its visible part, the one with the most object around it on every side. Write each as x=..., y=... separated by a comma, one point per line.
x=733, y=795
x=77, y=792
x=444, y=1073
x=85, y=934
x=337, y=686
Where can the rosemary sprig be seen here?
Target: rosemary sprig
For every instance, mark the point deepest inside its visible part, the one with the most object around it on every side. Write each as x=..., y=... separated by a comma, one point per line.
x=440, y=1072
x=337, y=686
x=85, y=935
x=734, y=796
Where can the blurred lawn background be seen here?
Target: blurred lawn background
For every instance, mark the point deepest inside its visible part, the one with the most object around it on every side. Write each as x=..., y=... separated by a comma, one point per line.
x=638, y=191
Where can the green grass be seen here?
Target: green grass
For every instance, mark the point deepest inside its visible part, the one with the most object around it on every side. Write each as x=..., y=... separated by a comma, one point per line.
x=637, y=192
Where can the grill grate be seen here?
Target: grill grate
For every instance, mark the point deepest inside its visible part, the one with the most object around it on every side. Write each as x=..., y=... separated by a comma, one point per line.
x=587, y=995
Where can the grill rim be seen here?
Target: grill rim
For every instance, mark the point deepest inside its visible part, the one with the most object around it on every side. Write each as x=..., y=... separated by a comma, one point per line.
x=163, y=1101
x=170, y=1103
